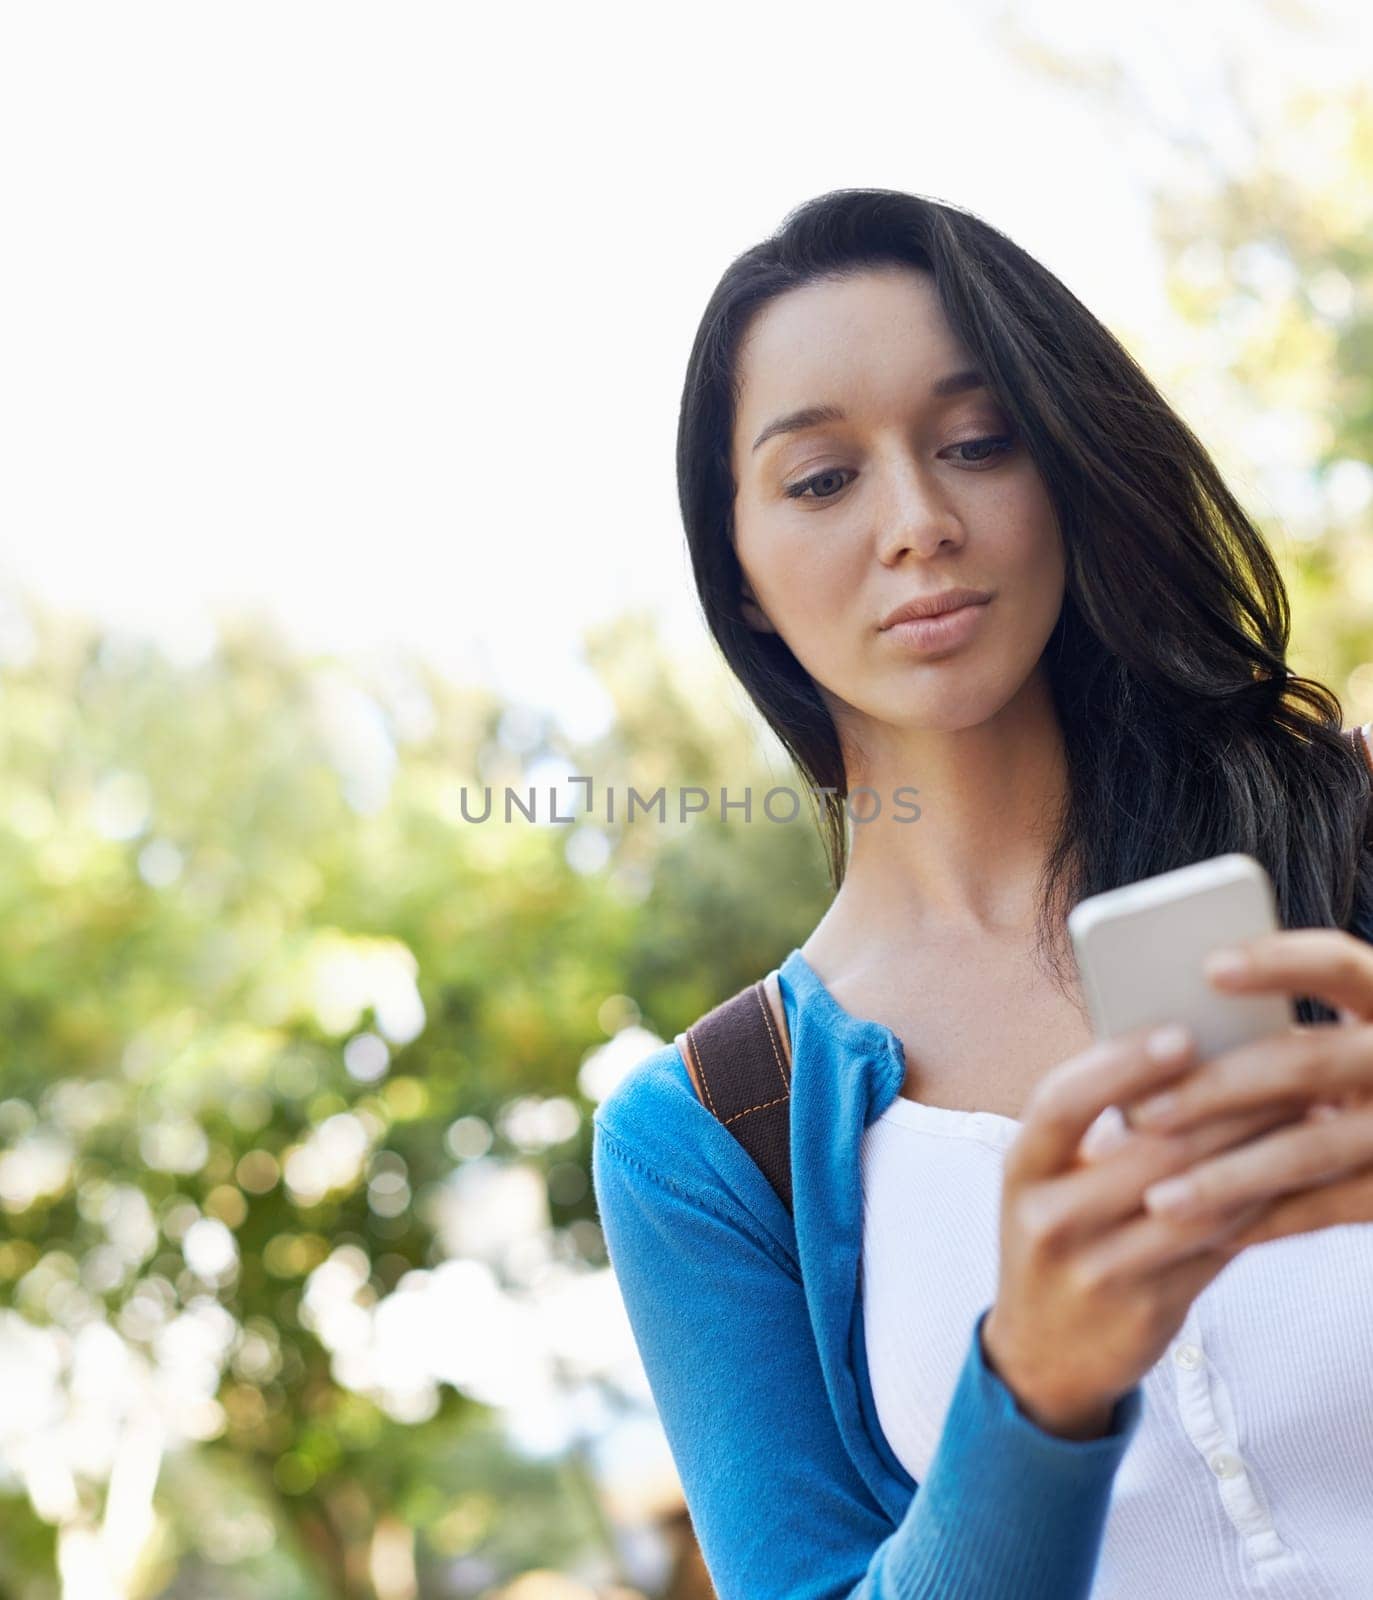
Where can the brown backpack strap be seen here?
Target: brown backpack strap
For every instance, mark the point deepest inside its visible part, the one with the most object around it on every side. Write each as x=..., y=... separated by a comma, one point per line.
x=739, y=1058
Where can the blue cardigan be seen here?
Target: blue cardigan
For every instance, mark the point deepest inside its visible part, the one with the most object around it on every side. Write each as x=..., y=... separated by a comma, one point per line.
x=750, y=1328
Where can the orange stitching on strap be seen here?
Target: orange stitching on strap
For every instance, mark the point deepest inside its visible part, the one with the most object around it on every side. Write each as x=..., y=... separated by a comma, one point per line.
x=696, y=1059
x=769, y=982
x=763, y=1107
x=760, y=995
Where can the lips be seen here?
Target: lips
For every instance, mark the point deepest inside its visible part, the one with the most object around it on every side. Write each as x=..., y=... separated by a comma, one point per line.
x=940, y=634
x=935, y=605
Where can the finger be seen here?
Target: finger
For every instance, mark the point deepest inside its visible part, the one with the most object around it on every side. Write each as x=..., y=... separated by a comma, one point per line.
x=1147, y=1245
x=1307, y=1152
x=1069, y=1098
x=1327, y=963
x=1072, y=1207
x=1329, y=1204
x=1301, y=1064
x=1224, y=1129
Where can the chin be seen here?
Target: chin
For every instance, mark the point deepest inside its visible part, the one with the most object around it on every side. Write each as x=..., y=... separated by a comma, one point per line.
x=959, y=698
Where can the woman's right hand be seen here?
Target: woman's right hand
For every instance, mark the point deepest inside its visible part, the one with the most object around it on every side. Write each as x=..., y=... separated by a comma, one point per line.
x=1091, y=1287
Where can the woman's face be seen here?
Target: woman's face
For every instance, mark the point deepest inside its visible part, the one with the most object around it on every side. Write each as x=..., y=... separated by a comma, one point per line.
x=911, y=493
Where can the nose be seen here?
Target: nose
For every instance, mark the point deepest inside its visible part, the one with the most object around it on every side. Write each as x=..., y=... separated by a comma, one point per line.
x=916, y=517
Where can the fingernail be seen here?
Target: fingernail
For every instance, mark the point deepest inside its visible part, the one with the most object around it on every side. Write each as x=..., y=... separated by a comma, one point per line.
x=1165, y=1044
x=1105, y=1134
x=1157, y=1108
x=1172, y=1195
x=1229, y=962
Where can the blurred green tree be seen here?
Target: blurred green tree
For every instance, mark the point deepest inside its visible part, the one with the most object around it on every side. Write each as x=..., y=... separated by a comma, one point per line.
x=267, y=993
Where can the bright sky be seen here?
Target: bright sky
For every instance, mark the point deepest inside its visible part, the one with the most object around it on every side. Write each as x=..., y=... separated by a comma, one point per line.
x=374, y=318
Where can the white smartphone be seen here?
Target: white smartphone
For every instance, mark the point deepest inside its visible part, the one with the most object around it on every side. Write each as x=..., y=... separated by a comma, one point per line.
x=1140, y=948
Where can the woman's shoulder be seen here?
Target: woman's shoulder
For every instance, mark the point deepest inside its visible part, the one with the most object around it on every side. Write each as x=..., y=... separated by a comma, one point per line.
x=653, y=1126
x=660, y=1090
x=655, y=1090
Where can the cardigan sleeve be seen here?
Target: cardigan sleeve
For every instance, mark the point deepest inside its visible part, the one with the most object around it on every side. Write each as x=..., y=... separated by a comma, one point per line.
x=1007, y=1511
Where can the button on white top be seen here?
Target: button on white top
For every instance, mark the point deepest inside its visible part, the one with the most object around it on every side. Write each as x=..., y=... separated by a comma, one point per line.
x=1188, y=1355
x=1225, y=1465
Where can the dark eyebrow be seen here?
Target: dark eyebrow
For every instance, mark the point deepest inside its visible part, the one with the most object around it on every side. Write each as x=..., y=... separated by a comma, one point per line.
x=813, y=416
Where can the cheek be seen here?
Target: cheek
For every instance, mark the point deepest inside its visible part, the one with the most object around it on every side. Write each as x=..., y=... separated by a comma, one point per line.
x=810, y=595
x=802, y=576
x=1033, y=545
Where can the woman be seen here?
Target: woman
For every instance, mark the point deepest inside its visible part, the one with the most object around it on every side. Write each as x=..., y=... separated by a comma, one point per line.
x=985, y=1359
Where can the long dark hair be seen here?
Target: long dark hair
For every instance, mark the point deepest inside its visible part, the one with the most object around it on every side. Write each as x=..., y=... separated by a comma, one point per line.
x=1186, y=734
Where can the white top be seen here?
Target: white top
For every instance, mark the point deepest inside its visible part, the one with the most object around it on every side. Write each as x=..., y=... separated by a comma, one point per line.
x=1251, y=1472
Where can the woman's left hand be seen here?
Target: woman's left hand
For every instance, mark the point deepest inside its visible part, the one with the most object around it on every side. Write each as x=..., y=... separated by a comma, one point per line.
x=1312, y=1172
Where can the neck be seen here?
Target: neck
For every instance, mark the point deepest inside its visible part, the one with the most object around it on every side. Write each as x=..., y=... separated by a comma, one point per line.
x=969, y=867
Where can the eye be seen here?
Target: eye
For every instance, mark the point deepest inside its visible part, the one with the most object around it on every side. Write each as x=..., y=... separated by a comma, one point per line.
x=990, y=450
x=1001, y=443
x=797, y=491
